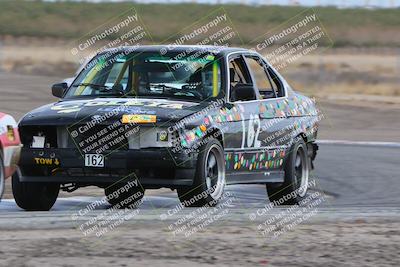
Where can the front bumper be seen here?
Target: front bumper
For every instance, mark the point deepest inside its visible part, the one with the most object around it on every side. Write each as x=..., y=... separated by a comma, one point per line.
x=157, y=167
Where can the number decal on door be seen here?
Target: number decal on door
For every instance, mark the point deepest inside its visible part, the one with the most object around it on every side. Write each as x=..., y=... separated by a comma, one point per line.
x=252, y=133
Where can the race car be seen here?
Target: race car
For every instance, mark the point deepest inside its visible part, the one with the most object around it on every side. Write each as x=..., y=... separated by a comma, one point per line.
x=10, y=147
x=190, y=118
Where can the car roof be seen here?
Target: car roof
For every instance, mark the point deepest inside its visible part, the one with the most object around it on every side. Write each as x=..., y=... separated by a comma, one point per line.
x=217, y=50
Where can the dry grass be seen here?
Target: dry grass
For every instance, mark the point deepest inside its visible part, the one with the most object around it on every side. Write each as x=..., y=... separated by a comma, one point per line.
x=348, y=88
x=347, y=27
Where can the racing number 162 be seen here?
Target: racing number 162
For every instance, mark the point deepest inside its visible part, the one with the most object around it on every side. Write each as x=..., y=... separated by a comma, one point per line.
x=253, y=132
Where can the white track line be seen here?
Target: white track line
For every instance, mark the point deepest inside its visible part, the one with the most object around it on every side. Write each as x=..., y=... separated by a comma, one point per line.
x=359, y=143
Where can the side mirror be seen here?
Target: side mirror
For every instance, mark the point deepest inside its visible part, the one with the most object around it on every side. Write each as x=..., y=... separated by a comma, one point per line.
x=58, y=89
x=243, y=92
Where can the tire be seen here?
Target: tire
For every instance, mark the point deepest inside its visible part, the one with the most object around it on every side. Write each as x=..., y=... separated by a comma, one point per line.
x=297, y=171
x=2, y=176
x=209, y=181
x=122, y=198
x=34, y=196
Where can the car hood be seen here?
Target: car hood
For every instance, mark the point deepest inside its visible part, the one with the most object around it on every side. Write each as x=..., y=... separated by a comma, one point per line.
x=68, y=112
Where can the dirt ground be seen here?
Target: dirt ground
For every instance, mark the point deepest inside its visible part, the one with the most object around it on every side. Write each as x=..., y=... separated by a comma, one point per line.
x=330, y=244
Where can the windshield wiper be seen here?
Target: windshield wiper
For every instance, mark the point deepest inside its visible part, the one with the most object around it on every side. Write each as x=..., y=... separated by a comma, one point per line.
x=91, y=84
x=116, y=89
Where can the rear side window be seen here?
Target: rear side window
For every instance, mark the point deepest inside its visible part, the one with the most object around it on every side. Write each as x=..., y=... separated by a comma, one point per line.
x=266, y=87
x=279, y=88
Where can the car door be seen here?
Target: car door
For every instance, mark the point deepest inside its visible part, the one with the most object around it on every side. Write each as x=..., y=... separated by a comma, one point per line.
x=257, y=151
x=247, y=157
x=237, y=110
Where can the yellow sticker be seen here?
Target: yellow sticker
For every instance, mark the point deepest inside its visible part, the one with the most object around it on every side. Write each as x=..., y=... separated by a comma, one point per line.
x=139, y=118
x=46, y=161
x=210, y=57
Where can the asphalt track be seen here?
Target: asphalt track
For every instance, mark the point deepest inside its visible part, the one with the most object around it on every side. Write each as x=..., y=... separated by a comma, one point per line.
x=352, y=177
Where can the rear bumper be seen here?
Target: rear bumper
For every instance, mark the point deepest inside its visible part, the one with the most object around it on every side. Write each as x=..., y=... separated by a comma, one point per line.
x=156, y=167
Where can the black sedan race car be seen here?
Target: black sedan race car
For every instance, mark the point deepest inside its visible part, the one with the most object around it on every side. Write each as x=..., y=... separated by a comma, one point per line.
x=189, y=118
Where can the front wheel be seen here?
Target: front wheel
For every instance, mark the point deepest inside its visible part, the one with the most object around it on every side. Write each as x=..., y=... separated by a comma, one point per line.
x=209, y=182
x=34, y=196
x=297, y=171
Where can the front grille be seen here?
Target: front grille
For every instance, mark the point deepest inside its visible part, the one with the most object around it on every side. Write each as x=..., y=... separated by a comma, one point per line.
x=87, y=140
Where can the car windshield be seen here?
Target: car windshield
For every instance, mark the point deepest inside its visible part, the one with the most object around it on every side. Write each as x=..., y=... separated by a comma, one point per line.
x=194, y=77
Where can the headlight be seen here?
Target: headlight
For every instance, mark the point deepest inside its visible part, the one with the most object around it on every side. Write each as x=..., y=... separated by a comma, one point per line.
x=10, y=133
x=150, y=137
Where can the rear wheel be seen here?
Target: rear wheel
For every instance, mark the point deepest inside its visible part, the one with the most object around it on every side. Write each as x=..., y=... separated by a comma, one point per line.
x=34, y=196
x=209, y=182
x=124, y=195
x=297, y=171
